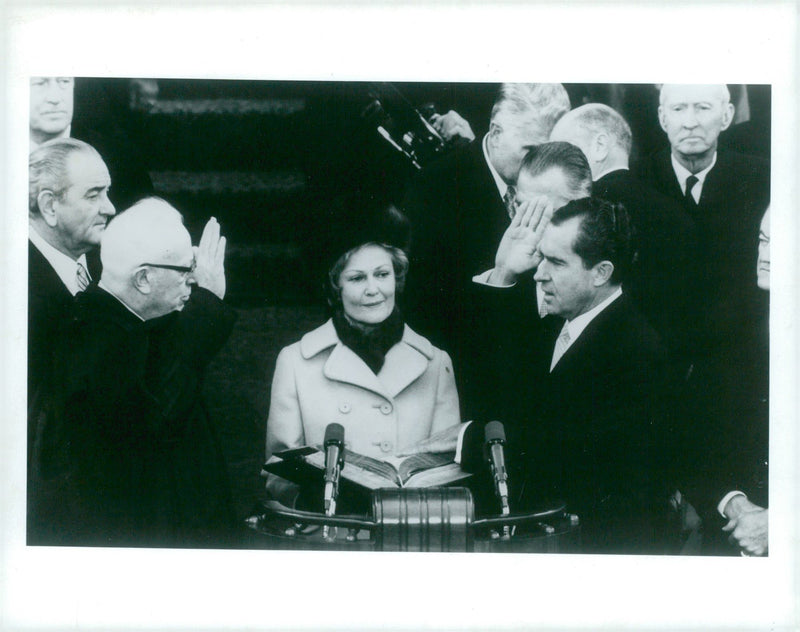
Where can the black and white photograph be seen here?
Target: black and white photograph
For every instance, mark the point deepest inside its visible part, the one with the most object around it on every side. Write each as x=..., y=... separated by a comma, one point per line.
x=310, y=327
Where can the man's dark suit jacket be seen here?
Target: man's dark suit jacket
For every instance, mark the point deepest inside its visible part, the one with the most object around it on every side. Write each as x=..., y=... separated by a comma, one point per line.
x=458, y=219
x=589, y=432
x=734, y=197
x=49, y=303
x=662, y=282
x=138, y=459
x=725, y=440
x=49, y=307
x=723, y=401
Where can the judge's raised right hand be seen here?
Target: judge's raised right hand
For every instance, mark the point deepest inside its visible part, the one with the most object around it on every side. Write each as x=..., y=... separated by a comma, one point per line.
x=209, y=272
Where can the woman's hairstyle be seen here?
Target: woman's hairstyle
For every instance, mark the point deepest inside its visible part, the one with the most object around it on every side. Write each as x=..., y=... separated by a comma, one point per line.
x=333, y=288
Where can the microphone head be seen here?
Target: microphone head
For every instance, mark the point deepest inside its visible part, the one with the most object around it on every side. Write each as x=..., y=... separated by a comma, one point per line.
x=494, y=432
x=334, y=433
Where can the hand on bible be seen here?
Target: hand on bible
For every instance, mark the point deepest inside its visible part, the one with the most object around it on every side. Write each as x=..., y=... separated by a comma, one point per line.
x=518, y=250
x=443, y=441
x=209, y=270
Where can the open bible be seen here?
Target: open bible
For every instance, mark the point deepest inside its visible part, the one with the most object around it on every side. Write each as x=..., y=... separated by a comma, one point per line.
x=307, y=465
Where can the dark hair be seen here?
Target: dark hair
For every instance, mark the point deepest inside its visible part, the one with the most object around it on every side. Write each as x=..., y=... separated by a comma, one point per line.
x=605, y=234
x=564, y=156
x=333, y=289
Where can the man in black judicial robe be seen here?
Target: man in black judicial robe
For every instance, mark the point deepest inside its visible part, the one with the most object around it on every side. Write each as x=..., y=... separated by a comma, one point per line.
x=138, y=455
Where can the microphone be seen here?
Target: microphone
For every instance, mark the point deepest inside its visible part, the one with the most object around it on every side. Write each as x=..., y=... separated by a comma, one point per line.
x=334, y=461
x=495, y=436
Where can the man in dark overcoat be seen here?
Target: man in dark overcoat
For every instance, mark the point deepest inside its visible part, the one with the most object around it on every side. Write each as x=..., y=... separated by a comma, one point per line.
x=590, y=407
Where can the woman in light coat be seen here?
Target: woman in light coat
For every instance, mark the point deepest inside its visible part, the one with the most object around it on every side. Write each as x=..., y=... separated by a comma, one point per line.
x=364, y=368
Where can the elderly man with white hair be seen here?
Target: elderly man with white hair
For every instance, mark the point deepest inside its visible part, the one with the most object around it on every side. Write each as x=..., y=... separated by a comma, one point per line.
x=725, y=192
x=144, y=465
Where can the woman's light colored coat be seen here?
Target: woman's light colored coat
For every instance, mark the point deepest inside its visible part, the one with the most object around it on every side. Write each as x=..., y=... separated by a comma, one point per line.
x=319, y=380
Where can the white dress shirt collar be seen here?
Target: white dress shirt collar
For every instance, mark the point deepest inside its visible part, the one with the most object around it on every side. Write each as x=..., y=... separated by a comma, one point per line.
x=502, y=187
x=682, y=173
x=65, y=266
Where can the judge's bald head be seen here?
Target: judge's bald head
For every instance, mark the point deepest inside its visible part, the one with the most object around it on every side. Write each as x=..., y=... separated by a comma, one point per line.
x=147, y=258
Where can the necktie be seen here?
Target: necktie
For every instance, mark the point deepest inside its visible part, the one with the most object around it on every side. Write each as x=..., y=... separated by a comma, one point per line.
x=508, y=201
x=562, y=342
x=82, y=275
x=690, y=182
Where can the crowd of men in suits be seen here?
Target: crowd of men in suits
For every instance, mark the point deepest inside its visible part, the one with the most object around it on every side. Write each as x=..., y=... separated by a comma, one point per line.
x=622, y=337
x=607, y=313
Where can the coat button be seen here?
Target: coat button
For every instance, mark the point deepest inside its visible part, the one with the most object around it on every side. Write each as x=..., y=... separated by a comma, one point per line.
x=386, y=446
x=344, y=408
x=386, y=409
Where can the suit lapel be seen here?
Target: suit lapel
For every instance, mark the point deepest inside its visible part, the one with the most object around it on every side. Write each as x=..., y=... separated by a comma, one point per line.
x=43, y=279
x=589, y=336
x=666, y=174
x=487, y=217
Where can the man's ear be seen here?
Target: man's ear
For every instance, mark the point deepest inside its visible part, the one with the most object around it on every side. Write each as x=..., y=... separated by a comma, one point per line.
x=141, y=280
x=662, y=119
x=602, y=272
x=600, y=146
x=47, y=202
x=728, y=110
x=494, y=131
